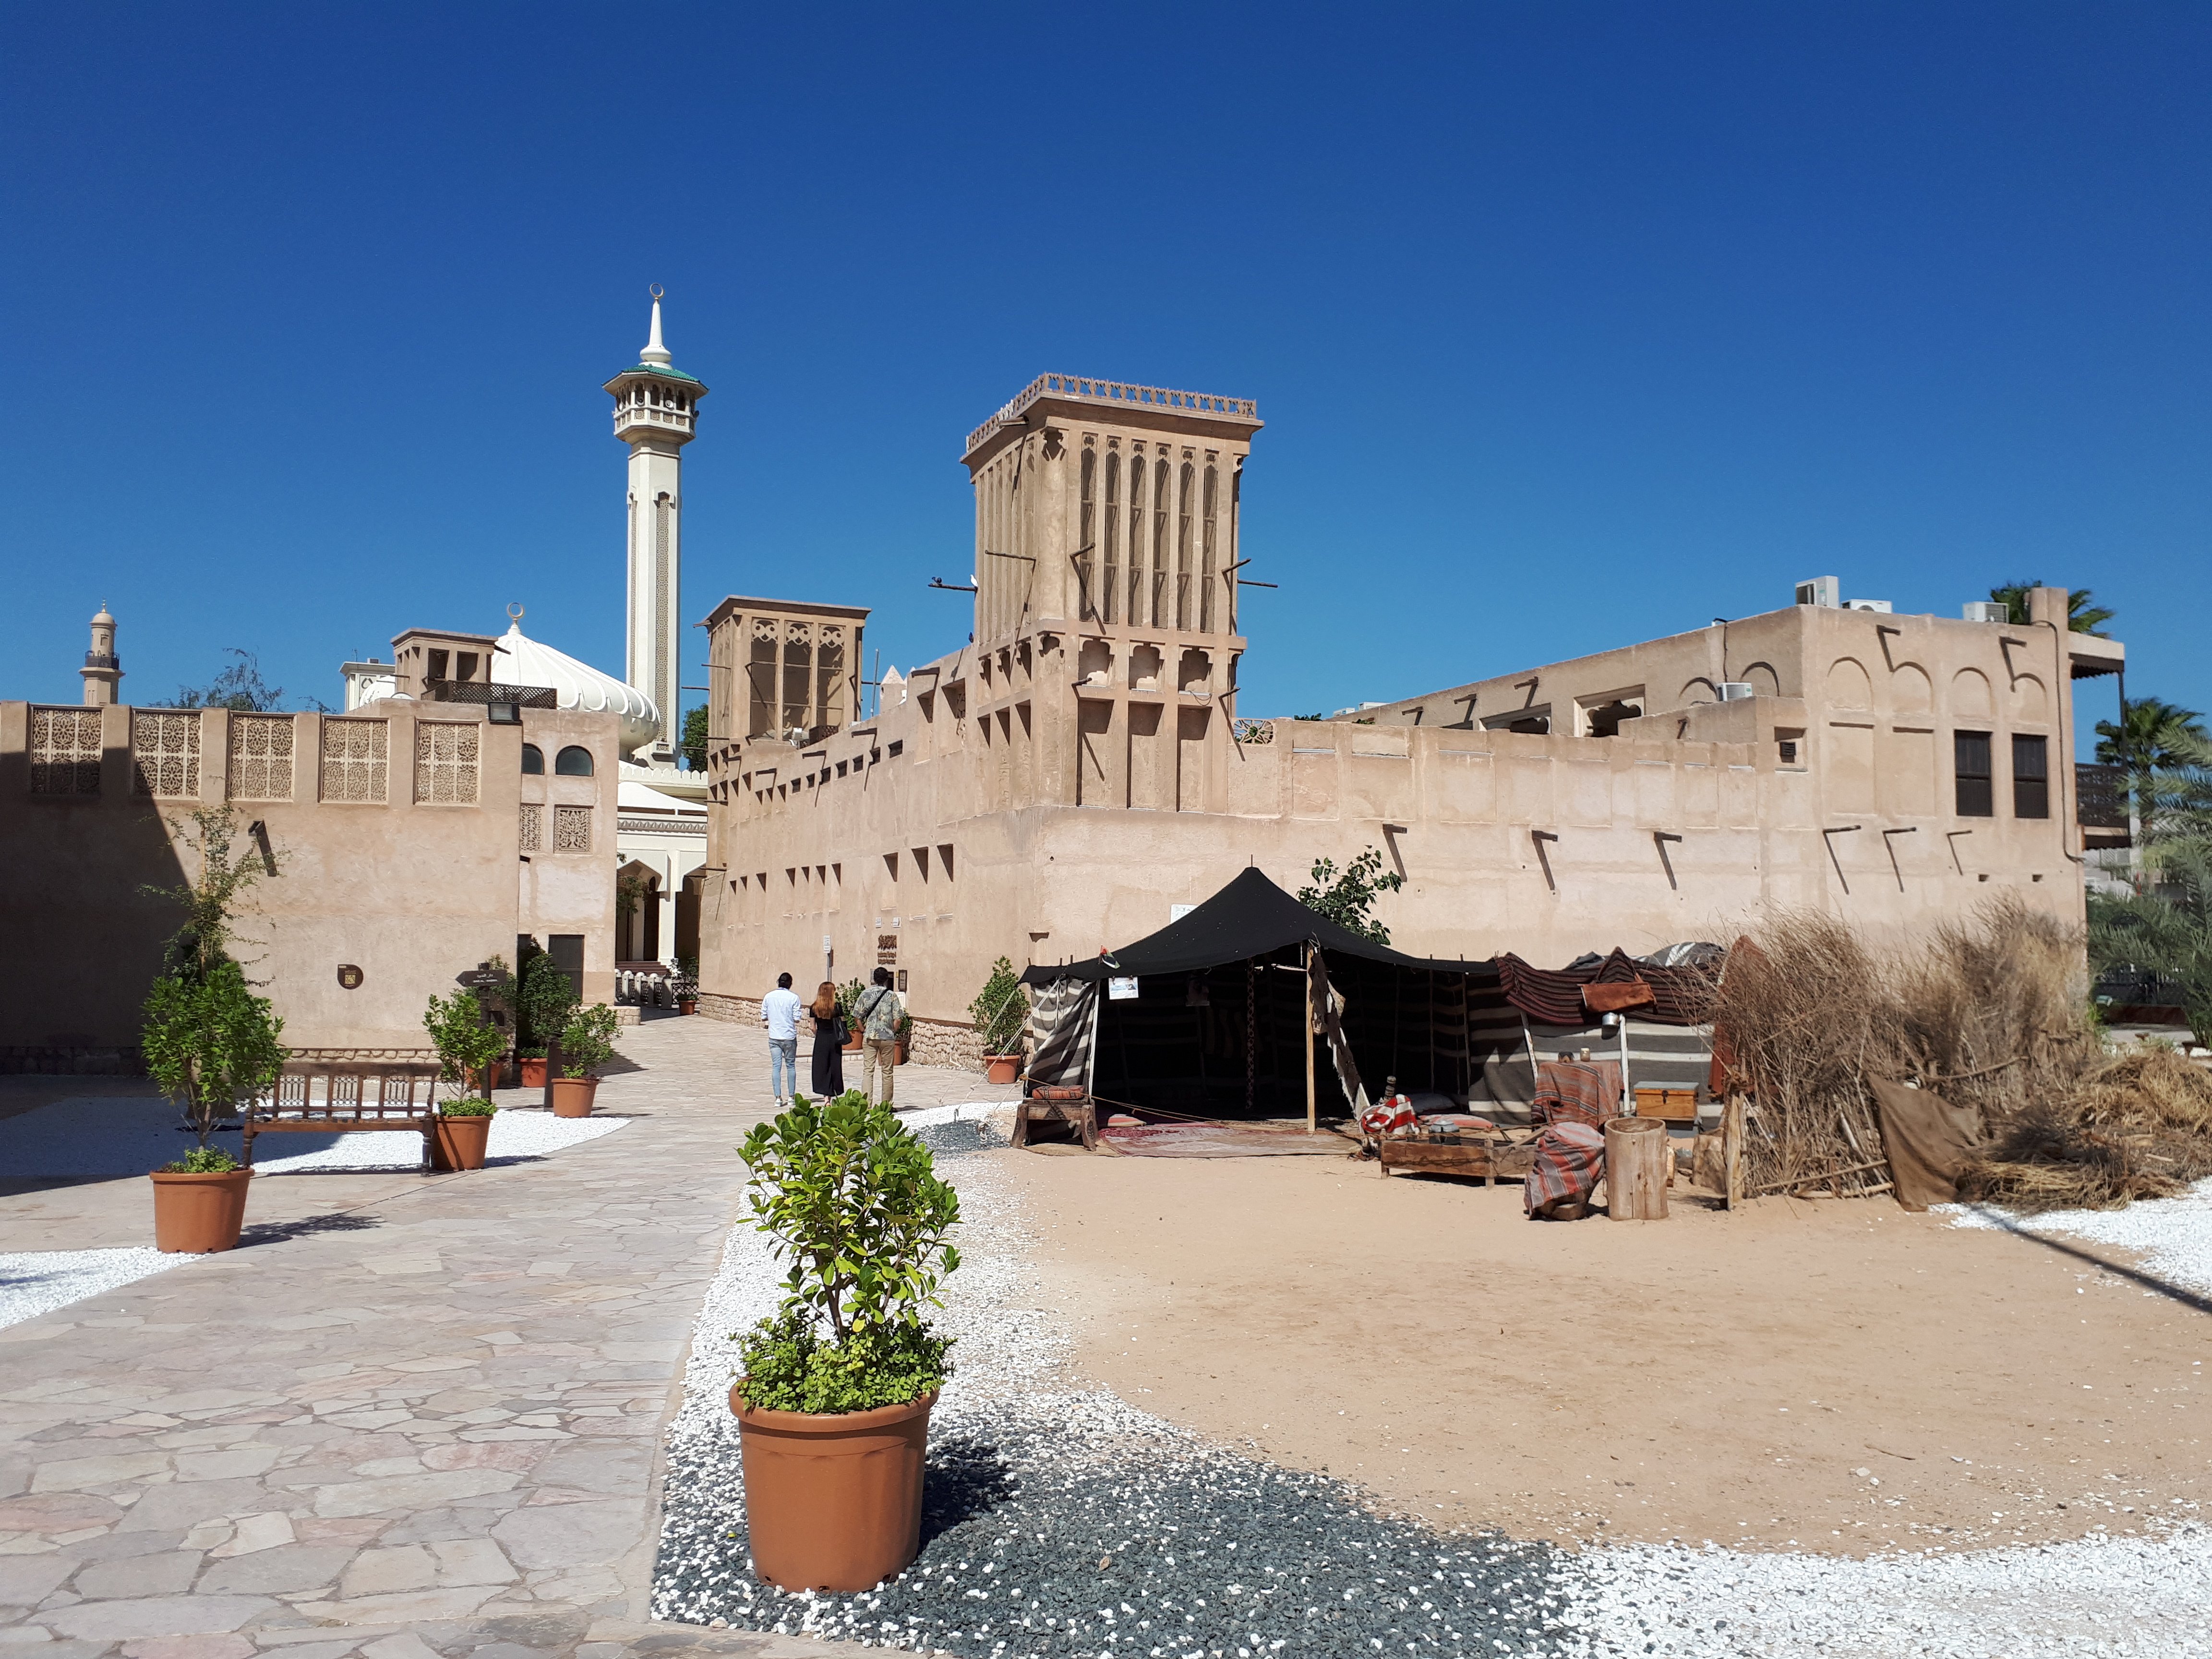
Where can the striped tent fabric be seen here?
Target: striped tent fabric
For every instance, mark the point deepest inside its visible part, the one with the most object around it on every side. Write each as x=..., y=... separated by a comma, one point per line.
x=1551, y=996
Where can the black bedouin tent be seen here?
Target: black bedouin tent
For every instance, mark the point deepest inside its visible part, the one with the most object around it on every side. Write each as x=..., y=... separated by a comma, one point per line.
x=1207, y=1017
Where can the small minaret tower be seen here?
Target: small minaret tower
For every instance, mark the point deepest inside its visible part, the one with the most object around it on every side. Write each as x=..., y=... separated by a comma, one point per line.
x=656, y=414
x=102, y=668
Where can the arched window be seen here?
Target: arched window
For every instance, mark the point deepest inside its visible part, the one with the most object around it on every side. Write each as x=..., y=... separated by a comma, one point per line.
x=1182, y=549
x=1206, y=571
x=533, y=761
x=1086, y=555
x=573, y=762
x=1136, y=612
x=1160, y=477
x=1110, y=592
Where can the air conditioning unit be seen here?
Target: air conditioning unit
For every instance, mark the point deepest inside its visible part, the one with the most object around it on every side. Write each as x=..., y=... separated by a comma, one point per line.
x=1821, y=591
x=1737, y=691
x=1880, y=607
x=1986, y=610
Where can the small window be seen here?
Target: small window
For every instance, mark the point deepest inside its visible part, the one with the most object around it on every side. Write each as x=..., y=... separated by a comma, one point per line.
x=896, y=749
x=2031, y=778
x=573, y=762
x=1970, y=761
x=533, y=761
x=438, y=660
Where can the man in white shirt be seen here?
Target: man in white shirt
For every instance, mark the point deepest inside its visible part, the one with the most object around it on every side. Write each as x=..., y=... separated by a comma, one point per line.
x=780, y=1013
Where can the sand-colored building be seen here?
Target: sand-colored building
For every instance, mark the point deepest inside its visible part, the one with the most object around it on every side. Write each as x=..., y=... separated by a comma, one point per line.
x=413, y=838
x=1079, y=770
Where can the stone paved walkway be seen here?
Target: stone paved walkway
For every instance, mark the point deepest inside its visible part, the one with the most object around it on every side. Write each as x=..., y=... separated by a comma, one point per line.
x=418, y=1416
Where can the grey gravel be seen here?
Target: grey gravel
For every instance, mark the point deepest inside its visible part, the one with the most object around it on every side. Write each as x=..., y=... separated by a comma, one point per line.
x=1061, y=1521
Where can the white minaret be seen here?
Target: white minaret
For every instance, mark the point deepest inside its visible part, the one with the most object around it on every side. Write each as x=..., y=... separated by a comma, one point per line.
x=656, y=414
x=103, y=669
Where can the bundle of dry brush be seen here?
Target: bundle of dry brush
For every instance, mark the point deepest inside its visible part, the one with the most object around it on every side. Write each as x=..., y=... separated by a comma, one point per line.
x=1992, y=1014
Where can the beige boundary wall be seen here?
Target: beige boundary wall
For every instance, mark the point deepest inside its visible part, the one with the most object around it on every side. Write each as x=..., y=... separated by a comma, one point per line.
x=401, y=836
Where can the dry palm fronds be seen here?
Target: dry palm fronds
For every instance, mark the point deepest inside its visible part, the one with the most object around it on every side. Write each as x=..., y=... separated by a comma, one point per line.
x=2138, y=1127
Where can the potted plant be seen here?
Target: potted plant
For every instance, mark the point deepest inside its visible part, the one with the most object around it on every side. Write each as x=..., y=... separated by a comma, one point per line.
x=587, y=1042
x=684, y=987
x=833, y=1391
x=903, y=1031
x=468, y=1045
x=849, y=1002
x=999, y=1012
x=541, y=1009
x=210, y=1041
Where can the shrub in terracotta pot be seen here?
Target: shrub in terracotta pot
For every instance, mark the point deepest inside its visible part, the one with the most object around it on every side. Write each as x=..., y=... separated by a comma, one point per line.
x=848, y=998
x=999, y=1012
x=543, y=1004
x=463, y=1131
x=833, y=1391
x=209, y=1042
x=586, y=1043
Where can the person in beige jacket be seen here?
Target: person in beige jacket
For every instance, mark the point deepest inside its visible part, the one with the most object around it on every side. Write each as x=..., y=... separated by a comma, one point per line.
x=879, y=1010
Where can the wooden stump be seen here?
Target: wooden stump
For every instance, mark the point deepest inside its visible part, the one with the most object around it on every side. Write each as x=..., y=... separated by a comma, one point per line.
x=1637, y=1156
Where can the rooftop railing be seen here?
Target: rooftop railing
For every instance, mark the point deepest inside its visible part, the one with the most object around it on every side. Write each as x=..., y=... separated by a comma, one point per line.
x=1114, y=392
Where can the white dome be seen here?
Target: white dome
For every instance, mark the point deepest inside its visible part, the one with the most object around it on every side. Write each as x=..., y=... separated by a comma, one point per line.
x=519, y=662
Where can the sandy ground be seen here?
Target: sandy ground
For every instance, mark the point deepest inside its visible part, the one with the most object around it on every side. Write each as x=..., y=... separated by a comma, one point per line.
x=1831, y=1377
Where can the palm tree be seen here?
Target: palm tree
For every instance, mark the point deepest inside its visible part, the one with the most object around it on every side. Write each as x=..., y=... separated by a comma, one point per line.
x=2149, y=733
x=2166, y=929
x=2082, y=615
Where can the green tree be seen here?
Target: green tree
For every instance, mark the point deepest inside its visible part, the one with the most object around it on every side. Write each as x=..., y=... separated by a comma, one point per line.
x=542, y=1005
x=238, y=687
x=1000, y=1010
x=1348, y=899
x=2082, y=617
x=465, y=1039
x=853, y=1203
x=212, y=900
x=210, y=1042
x=2150, y=733
x=2165, y=926
x=694, y=745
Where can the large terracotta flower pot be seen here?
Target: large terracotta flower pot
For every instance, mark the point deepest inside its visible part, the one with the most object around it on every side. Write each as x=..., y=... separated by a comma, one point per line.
x=687, y=1004
x=458, y=1143
x=1001, y=1068
x=199, y=1214
x=533, y=1072
x=854, y=1039
x=833, y=1503
x=572, y=1096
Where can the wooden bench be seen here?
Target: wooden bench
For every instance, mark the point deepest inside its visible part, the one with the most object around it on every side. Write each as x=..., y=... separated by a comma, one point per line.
x=1490, y=1161
x=336, y=1097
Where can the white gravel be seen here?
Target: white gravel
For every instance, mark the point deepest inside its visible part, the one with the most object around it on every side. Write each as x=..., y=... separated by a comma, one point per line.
x=2174, y=1234
x=39, y=1281
x=1218, y=1556
x=92, y=1136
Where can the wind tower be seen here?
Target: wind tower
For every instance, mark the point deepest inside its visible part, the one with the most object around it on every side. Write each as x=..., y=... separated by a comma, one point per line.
x=656, y=414
x=103, y=669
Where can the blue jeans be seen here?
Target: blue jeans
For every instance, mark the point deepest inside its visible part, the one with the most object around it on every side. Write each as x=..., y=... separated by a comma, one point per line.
x=783, y=1065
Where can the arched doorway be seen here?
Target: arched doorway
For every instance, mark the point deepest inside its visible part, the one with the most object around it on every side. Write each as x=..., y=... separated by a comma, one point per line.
x=637, y=912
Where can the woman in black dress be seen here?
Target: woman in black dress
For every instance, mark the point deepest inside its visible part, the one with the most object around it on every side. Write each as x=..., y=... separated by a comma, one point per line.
x=829, y=1043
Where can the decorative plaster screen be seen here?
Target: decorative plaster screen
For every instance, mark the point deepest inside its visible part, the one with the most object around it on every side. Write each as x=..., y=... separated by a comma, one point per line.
x=261, y=757
x=572, y=829
x=355, y=756
x=445, y=761
x=164, y=755
x=532, y=835
x=66, y=751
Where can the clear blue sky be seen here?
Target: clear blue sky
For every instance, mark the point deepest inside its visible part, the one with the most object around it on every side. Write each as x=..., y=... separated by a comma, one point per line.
x=1572, y=323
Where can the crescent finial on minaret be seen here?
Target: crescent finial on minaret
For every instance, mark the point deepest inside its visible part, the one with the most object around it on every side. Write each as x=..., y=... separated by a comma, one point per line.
x=654, y=352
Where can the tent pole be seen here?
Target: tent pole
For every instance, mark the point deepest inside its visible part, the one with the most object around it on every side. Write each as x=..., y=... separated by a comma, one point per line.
x=1313, y=1124
x=1251, y=1030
